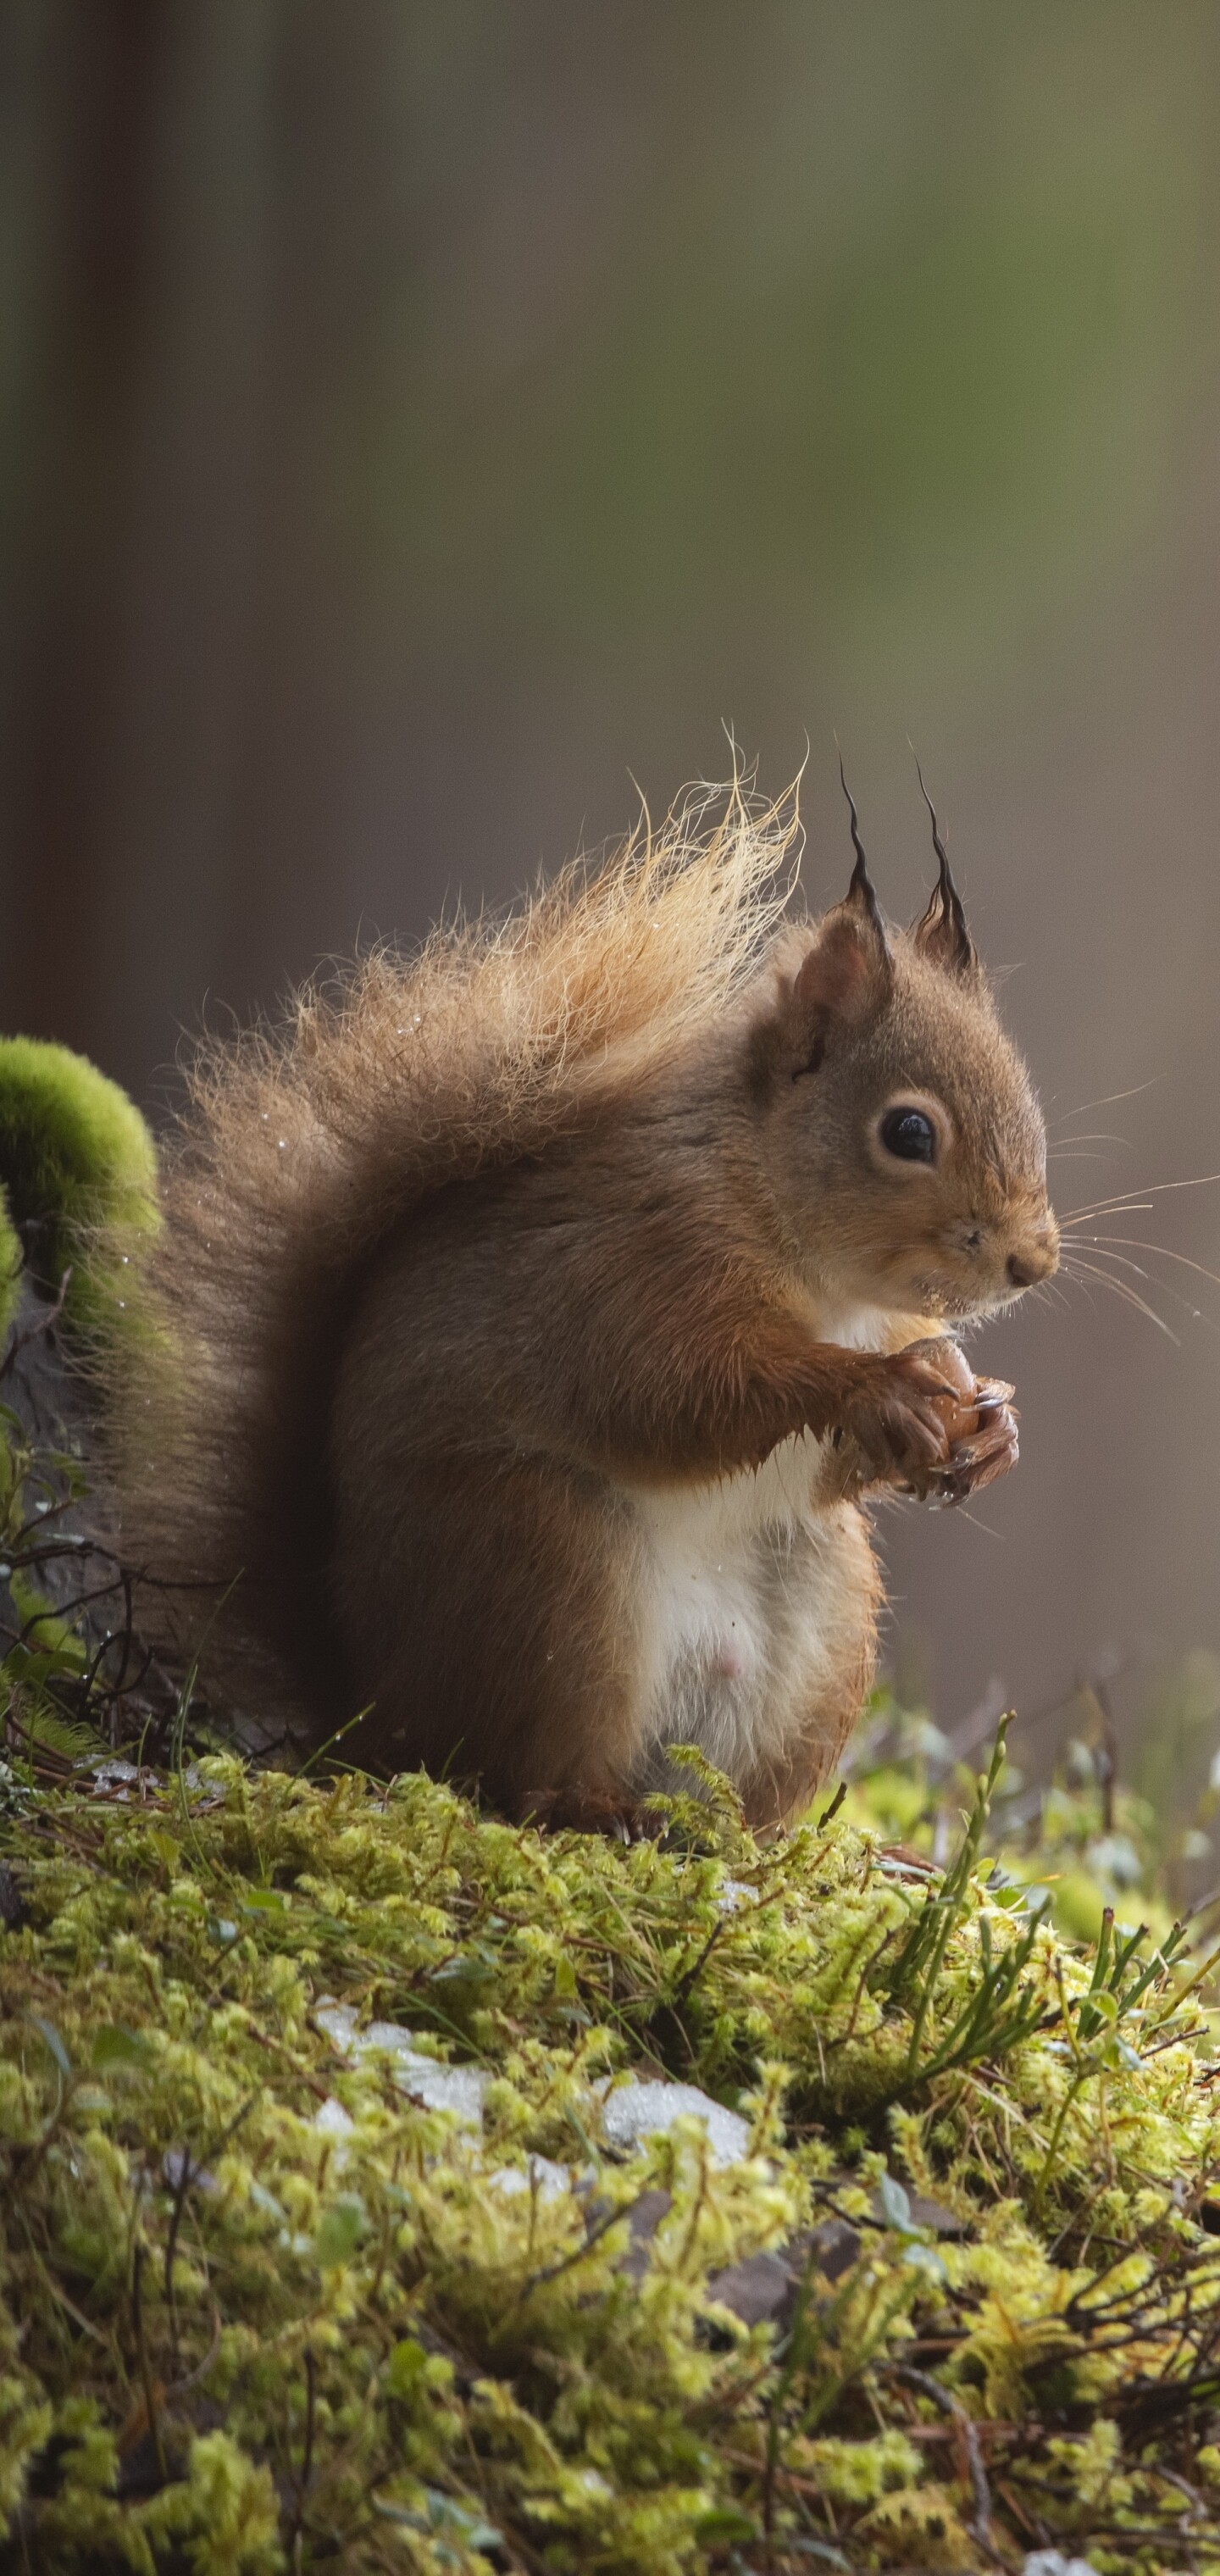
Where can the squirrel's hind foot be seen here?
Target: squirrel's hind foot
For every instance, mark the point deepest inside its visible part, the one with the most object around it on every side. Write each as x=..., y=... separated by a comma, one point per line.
x=584, y=1808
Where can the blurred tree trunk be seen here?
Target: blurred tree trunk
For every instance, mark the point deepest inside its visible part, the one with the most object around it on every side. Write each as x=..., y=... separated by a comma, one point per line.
x=94, y=79
x=134, y=231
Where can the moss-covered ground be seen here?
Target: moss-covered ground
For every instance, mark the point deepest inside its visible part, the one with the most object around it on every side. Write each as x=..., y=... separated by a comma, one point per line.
x=264, y=2308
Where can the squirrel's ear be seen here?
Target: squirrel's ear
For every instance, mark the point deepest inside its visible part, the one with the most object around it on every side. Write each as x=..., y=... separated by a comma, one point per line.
x=940, y=933
x=849, y=970
x=848, y=973
x=844, y=979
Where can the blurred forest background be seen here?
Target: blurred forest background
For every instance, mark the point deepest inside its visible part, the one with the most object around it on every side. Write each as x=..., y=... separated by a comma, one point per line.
x=419, y=417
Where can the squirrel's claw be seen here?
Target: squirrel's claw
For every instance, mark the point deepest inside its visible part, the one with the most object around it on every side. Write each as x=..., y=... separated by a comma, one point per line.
x=593, y=1808
x=981, y=1458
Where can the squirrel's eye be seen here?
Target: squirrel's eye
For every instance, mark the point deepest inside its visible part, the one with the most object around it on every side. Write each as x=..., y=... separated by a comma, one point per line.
x=910, y=1135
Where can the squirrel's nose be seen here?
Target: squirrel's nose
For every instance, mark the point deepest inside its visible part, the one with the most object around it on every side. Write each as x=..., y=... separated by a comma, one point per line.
x=1026, y=1268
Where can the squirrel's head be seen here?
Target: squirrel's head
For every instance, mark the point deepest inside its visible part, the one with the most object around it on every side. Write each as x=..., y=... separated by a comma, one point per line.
x=903, y=1137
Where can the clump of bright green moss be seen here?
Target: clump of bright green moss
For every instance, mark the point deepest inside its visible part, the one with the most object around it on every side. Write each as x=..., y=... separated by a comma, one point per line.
x=10, y=1267
x=77, y=1213
x=79, y=1170
x=263, y=2309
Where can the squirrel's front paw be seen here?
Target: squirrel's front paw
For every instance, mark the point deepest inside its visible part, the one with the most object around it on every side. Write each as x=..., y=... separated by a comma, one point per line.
x=921, y=1422
x=979, y=1425
x=903, y=1414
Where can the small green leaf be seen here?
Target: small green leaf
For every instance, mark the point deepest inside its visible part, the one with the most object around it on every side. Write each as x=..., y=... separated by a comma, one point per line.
x=894, y=2203
x=445, y=2514
x=441, y=2514
x=470, y=1968
x=50, y=2036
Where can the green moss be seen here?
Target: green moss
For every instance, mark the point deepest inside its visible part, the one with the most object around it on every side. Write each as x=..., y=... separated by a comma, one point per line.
x=10, y=1267
x=79, y=1167
x=334, y=2326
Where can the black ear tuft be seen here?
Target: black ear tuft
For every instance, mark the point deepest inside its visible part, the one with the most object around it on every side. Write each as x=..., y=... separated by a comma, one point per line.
x=847, y=973
x=861, y=894
x=941, y=933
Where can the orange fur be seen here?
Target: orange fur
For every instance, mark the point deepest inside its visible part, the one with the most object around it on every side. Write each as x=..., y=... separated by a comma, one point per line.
x=488, y=1279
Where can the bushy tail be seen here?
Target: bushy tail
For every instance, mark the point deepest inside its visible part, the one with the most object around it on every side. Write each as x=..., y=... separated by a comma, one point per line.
x=306, y=1147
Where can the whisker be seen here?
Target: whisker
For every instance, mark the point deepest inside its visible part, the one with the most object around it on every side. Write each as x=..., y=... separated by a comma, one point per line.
x=1162, y=1252
x=1048, y=1292
x=1123, y=1288
x=1112, y=1098
x=1098, y=1243
x=1151, y=1189
x=1096, y=1136
x=1128, y=1296
x=1196, y=1313
x=1088, y=1216
x=1079, y=1280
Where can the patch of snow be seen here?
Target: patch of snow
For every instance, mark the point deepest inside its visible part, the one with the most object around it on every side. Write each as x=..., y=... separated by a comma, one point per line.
x=635, y=2111
x=338, y=2021
x=459, y=2089
x=1051, y=2562
x=116, y=1779
x=734, y=1892
x=550, y=2180
x=333, y=2120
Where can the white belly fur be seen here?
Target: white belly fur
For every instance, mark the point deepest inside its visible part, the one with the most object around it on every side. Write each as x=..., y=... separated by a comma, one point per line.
x=744, y=1611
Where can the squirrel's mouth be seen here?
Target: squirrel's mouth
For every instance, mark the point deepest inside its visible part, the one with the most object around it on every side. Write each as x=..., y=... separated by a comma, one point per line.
x=958, y=1305
x=990, y=1284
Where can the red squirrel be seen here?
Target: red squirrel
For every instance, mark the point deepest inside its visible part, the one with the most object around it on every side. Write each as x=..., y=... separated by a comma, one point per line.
x=531, y=1318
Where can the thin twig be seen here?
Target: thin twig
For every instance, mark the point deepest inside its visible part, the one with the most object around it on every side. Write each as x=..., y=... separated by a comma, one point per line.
x=146, y=2377
x=922, y=2381
x=42, y=1324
